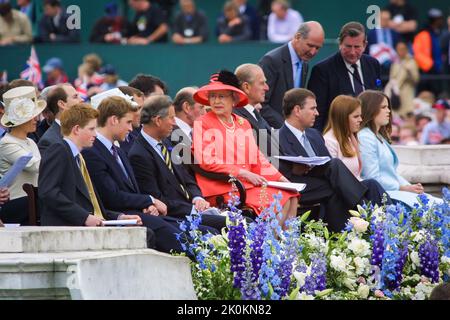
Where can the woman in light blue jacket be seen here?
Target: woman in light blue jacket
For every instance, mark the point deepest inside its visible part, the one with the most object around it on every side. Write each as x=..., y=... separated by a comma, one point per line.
x=379, y=160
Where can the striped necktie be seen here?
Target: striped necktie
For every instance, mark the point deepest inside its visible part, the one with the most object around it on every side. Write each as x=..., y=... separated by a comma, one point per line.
x=166, y=156
x=87, y=180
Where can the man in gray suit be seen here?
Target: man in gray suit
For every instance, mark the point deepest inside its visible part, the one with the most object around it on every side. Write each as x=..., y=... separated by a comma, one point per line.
x=60, y=98
x=286, y=67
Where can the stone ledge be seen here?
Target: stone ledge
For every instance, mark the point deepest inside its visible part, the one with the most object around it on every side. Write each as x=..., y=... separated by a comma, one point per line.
x=428, y=164
x=63, y=239
x=121, y=274
x=429, y=155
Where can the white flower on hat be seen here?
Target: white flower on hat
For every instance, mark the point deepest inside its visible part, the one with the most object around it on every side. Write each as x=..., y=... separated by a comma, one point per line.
x=20, y=109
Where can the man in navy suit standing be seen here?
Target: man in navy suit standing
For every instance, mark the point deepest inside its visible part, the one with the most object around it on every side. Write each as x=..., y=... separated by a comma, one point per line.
x=156, y=173
x=286, y=67
x=331, y=184
x=349, y=71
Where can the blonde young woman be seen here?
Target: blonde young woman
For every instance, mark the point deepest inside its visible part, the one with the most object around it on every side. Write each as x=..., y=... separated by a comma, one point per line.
x=21, y=117
x=344, y=120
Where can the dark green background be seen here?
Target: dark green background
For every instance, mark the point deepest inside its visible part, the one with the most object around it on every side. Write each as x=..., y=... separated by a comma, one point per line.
x=191, y=65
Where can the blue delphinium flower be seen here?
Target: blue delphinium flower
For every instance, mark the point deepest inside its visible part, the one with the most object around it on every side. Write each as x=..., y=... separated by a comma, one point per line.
x=257, y=232
x=290, y=251
x=236, y=241
x=396, y=231
x=429, y=259
x=269, y=277
x=317, y=279
x=249, y=288
x=377, y=239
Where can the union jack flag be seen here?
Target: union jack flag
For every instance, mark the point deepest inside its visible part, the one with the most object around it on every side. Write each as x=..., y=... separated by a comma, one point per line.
x=33, y=71
x=82, y=90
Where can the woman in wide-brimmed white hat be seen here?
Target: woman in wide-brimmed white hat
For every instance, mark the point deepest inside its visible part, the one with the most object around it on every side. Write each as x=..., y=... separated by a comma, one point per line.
x=22, y=109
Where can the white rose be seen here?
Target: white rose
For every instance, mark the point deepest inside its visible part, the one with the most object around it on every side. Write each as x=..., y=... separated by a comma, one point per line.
x=19, y=109
x=415, y=258
x=360, y=225
x=363, y=291
x=361, y=264
x=338, y=263
x=359, y=247
x=417, y=236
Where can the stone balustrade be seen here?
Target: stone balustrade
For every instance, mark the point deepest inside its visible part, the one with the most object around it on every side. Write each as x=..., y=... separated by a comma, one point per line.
x=88, y=263
x=429, y=165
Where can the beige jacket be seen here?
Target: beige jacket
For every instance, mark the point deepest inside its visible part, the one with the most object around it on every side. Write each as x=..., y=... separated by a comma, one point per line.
x=406, y=74
x=19, y=29
x=11, y=149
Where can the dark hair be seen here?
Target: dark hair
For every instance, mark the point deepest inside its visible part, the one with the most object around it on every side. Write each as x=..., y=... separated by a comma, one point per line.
x=112, y=106
x=5, y=9
x=184, y=95
x=371, y=101
x=155, y=106
x=441, y=292
x=131, y=91
x=351, y=29
x=295, y=97
x=147, y=83
x=20, y=83
x=53, y=3
x=3, y=88
x=54, y=96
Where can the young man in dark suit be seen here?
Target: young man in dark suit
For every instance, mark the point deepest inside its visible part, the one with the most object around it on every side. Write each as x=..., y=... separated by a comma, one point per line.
x=332, y=183
x=113, y=176
x=286, y=67
x=60, y=98
x=156, y=173
x=349, y=71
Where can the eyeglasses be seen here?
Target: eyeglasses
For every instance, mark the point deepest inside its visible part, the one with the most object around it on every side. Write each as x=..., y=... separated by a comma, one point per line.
x=222, y=97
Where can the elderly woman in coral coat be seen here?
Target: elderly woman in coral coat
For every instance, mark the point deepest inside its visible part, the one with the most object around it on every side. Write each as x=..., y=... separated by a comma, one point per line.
x=223, y=142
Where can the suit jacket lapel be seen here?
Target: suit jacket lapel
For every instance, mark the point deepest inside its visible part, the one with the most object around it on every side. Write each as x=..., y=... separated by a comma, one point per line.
x=287, y=67
x=161, y=164
x=305, y=68
x=246, y=114
x=365, y=69
x=342, y=72
x=132, y=179
x=79, y=180
x=296, y=146
x=108, y=157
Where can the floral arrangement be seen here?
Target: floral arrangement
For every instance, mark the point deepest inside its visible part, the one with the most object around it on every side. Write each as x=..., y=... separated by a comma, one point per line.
x=386, y=252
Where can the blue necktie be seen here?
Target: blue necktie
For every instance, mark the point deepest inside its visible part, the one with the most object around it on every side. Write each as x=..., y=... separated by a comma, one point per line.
x=307, y=146
x=298, y=74
x=115, y=154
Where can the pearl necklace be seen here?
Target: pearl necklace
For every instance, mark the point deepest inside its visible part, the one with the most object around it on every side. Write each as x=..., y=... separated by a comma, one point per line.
x=227, y=127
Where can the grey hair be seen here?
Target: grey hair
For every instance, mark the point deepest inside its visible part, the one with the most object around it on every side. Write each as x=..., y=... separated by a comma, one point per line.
x=245, y=73
x=304, y=30
x=155, y=106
